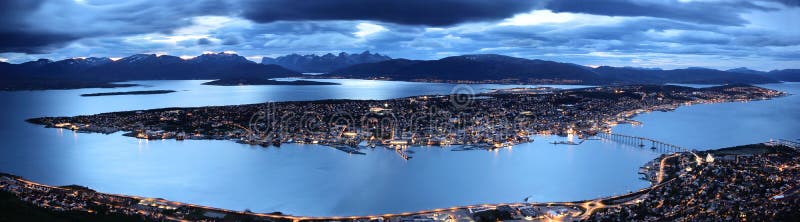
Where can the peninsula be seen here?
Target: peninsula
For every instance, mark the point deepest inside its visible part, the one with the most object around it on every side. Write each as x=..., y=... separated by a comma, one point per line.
x=144, y=92
x=264, y=81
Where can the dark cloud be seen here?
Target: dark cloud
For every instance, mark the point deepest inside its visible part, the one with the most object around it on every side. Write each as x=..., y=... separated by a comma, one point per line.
x=38, y=26
x=794, y=3
x=13, y=35
x=231, y=40
x=32, y=42
x=307, y=27
x=409, y=12
x=719, y=13
x=204, y=41
x=11, y=11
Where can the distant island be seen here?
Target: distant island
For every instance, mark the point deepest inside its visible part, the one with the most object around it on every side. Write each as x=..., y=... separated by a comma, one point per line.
x=262, y=81
x=143, y=92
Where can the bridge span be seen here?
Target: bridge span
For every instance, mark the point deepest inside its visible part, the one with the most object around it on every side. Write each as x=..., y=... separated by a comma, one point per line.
x=643, y=142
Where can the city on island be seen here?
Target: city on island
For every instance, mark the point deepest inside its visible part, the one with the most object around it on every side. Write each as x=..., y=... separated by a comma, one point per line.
x=491, y=120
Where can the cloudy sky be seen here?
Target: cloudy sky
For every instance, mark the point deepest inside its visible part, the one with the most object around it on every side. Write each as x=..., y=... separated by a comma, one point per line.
x=761, y=34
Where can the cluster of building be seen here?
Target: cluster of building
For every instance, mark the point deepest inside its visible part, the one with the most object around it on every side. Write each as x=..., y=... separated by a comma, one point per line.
x=488, y=121
x=81, y=199
x=74, y=198
x=501, y=212
x=748, y=183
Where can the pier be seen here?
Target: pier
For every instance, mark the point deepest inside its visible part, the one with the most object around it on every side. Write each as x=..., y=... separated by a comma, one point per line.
x=642, y=142
x=402, y=152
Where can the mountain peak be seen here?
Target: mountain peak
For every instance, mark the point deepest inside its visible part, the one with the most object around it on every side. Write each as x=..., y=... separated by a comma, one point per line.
x=91, y=61
x=483, y=56
x=221, y=57
x=323, y=63
x=744, y=70
x=136, y=58
x=38, y=62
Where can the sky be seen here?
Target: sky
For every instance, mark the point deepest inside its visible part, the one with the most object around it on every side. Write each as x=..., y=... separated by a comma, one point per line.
x=722, y=34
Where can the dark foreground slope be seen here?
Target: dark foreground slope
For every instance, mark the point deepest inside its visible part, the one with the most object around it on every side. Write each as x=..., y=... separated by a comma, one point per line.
x=14, y=209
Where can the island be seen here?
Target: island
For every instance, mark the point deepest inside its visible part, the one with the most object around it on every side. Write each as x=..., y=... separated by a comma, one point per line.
x=143, y=92
x=263, y=81
x=483, y=121
x=758, y=182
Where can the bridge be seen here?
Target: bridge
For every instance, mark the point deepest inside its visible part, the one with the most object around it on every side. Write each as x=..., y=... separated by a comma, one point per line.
x=643, y=141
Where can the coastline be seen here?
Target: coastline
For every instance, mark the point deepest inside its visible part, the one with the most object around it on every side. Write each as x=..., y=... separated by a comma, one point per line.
x=672, y=168
x=162, y=203
x=265, y=82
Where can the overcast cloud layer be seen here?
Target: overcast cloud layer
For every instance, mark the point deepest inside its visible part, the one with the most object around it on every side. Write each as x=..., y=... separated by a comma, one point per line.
x=723, y=34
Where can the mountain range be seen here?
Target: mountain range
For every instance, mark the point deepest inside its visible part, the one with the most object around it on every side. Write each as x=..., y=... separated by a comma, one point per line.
x=788, y=75
x=99, y=72
x=102, y=72
x=500, y=68
x=324, y=63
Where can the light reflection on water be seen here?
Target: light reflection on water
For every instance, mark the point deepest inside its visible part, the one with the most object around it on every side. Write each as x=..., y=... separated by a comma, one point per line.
x=318, y=180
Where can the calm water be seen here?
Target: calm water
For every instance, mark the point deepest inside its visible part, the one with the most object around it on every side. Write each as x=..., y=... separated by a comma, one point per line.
x=709, y=126
x=317, y=180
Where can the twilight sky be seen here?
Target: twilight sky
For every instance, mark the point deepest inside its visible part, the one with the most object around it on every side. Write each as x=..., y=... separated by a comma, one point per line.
x=760, y=34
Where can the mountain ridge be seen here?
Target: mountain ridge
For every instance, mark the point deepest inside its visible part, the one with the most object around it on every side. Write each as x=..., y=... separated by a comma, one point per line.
x=470, y=68
x=100, y=72
x=324, y=63
x=506, y=69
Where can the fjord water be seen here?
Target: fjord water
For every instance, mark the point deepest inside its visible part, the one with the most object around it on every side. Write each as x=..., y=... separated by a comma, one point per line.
x=710, y=126
x=317, y=180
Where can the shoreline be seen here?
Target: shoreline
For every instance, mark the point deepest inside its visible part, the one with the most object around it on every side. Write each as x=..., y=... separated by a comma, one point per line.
x=670, y=168
x=265, y=82
x=167, y=204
